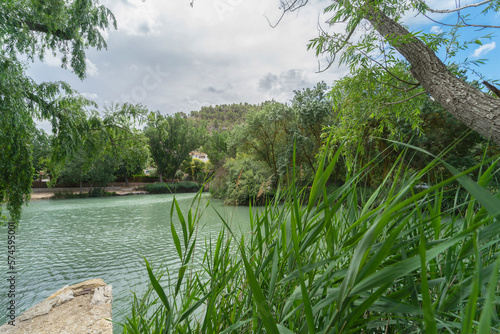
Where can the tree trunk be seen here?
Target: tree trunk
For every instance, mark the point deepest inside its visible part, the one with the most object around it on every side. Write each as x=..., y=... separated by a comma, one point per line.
x=126, y=181
x=161, y=177
x=478, y=110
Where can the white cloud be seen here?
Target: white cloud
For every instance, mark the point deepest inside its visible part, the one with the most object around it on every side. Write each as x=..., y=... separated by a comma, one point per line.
x=436, y=29
x=92, y=69
x=90, y=96
x=51, y=60
x=484, y=49
x=136, y=18
x=218, y=52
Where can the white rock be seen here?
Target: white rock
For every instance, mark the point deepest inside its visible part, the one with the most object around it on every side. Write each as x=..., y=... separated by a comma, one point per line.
x=102, y=295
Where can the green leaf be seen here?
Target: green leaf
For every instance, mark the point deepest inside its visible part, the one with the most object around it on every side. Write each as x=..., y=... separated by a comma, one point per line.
x=260, y=300
x=489, y=304
x=183, y=222
x=177, y=242
x=157, y=287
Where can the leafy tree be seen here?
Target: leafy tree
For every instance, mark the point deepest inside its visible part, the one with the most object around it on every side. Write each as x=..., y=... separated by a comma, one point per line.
x=132, y=155
x=223, y=117
x=129, y=146
x=111, y=146
x=31, y=28
x=74, y=169
x=313, y=110
x=377, y=48
x=195, y=168
x=265, y=136
x=41, y=151
x=171, y=139
x=216, y=147
x=365, y=113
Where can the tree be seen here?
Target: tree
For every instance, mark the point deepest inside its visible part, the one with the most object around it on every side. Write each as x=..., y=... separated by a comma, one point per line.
x=195, y=168
x=171, y=139
x=31, y=28
x=313, y=110
x=265, y=136
x=110, y=146
x=129, y=146
x=41, y=151
x=132, y=155
x=216, y=147
x=478, y=110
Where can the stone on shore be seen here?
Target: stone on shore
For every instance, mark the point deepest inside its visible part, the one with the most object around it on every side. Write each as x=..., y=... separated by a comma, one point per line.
x=80, y=308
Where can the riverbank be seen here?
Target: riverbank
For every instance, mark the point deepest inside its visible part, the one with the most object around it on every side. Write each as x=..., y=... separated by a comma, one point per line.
x=117, y=189
x=48, y=193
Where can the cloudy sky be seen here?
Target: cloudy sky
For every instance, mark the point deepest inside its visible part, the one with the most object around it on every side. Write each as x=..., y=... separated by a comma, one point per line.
x=173, y=57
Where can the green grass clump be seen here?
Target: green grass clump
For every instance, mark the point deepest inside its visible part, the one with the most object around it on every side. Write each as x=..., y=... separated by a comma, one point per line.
x=172, y=188
x=95, y=192
x=393, y=261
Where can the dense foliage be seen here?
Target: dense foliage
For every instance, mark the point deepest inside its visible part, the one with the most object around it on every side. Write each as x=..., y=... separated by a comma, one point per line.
x=31, y=28
x=223, y=117
x=171, y=139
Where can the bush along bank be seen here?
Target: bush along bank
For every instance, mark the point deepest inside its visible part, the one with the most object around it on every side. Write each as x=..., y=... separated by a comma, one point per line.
x=95, y=192
x=394, y=262
x=173, y=188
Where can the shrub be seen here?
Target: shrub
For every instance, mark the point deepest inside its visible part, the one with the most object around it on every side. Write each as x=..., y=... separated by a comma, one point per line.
x=172, y=188
x=68, y=195
x=247, y=180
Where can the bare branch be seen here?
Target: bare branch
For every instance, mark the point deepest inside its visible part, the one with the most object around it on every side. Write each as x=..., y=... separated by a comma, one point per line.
x=33, y=26
x=340, y=46
x=460, y=25
x=286, y=7
x=446, y=11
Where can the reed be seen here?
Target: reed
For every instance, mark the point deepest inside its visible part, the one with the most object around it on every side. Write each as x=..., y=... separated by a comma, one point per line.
x=394, y=261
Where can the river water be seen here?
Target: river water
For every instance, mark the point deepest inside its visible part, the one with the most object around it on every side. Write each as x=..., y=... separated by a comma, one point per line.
x=63, y=242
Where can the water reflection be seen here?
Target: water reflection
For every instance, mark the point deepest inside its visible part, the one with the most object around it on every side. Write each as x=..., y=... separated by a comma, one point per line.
x=68, y=241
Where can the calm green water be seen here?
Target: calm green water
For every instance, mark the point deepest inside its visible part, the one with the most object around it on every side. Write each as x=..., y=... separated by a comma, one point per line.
x=68, y=241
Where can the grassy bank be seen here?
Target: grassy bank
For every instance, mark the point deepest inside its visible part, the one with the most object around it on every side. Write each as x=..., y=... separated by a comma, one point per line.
x=173, y=188
x=95, y=192
x=396, y=261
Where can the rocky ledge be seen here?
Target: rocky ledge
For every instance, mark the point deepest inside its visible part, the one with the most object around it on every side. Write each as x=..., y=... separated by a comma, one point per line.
x=80, y=308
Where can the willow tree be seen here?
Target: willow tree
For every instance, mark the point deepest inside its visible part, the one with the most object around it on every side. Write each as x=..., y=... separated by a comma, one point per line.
x=373, y=35
x=28, y=30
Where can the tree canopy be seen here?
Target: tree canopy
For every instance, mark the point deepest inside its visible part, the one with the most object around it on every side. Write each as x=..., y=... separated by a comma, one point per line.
x=171, y=139
x=30, y=29
x=374, y=36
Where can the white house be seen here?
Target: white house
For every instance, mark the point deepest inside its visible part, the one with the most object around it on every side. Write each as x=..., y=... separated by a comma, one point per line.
x=199, y=155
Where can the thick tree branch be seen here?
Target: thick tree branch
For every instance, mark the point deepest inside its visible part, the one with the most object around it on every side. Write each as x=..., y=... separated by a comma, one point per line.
x=37, y=27
x=492, y=88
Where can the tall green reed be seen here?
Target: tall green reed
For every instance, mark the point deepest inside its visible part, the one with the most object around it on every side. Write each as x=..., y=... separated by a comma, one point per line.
x=394, y=261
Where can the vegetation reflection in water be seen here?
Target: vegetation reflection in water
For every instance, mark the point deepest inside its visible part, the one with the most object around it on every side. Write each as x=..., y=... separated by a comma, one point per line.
x=62, y=242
